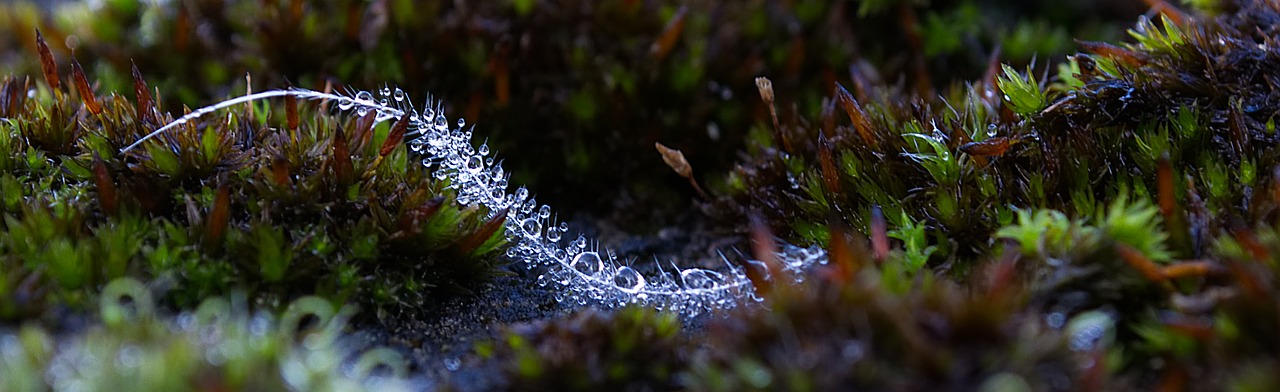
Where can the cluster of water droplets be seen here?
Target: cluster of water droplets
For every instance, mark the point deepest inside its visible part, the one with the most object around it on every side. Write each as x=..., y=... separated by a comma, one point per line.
x=584, y=274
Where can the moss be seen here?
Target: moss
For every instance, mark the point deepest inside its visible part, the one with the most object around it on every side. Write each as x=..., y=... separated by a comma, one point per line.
x=1126, y=193
x=1112, y=182
x=280, y=207
x=628, y=349
x=865, y=334
x=220, y=345
x=955, y=160
x=597, y=84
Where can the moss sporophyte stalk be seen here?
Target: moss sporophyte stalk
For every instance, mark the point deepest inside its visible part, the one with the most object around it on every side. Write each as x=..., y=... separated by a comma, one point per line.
x=583, y=272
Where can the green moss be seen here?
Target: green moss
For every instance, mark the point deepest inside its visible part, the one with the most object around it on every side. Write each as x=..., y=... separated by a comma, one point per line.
x=628, y=349
x=1130, y=199
x=221, y=345
x=219, y=204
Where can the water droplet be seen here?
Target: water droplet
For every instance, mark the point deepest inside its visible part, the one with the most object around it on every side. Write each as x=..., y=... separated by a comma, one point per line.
x=484, y=149
x=700, y=278
x=588, y=263
x=545, y=211
x=474, y=165
x=362, y=110
x=462, y=122
x=345, y=103
x=564, y=227
x=991, y=130
x=364, y=96
x=440, y=174
x=628, y=280
x=386, y=91
x=553, y=235
x=398, y=95
x=531, y=227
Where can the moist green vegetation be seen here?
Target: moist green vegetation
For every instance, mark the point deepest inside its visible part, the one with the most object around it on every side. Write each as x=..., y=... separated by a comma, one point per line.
x=1105, y=221
x=593, y=84
x=1189, y=106
x=631, y=349
x=220, y=345
x=1128, y=199
x=275, y=199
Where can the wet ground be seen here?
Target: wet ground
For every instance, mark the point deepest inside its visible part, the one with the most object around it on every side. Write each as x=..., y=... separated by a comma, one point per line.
x=439, y=338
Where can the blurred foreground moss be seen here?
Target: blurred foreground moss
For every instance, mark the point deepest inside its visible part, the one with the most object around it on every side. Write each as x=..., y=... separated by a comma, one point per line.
x=630, y=349
x=220, y=345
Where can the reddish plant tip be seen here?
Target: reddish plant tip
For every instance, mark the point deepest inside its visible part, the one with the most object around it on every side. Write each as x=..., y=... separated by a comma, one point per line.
x=879, y=234
x=473, y=241
x=1192, y=269
x=1251, y=244
x=145, y=105
x=828, y=117
x=220, y=215
x=342, y=169
x=766, y=253
x=1239, y=131
x=395, y=136
x=995, y=146
x=82, y=86
x=1141, y=263
x=1123, y=55
x=411, y=220
x=12, y=95
x=291, y=113
x=826, y=159
x=364, y=124
x=1173, y=13
x=861, y=123
x=670, y=34
x=47, y=63
x=842, y=253
x=106, y=186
